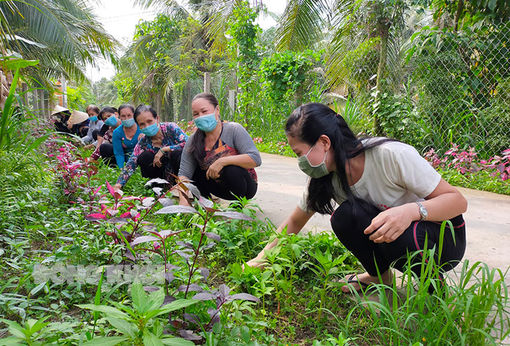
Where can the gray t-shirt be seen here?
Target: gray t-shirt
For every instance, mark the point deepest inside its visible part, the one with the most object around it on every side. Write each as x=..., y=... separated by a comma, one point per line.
x=93, y=126
x=234, y=135
x=394, y=174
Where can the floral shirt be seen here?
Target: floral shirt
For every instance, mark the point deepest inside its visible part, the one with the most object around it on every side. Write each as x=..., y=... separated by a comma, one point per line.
x=173, y=137
x=107, y=138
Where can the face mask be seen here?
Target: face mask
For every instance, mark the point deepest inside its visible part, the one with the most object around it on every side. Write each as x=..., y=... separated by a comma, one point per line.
x=111, y=121
x=128, y=122
x=151, y=130
x=94, y=118
x=312, y=171
x=206, y=123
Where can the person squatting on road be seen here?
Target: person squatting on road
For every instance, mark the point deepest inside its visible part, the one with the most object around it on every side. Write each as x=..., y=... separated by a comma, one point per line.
x=220, y=157
x=390, y=200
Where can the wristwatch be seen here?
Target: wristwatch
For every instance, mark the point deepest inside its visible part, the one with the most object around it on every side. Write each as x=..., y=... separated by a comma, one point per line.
x=423, y=211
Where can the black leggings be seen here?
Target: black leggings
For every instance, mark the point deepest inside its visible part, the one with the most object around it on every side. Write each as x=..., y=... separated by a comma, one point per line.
x=170, y=162
x=349, y=222
x=233, y=181
x=106, y=152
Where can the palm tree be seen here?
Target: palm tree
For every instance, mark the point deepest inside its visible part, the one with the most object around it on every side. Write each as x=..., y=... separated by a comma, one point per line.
x=163, y=60
x=360, y=36
x=63, y=35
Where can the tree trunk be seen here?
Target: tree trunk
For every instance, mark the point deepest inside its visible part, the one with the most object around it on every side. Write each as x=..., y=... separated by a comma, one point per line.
x=4, y=88
x=158, y=107
x=169, y=105
x=458, y=14
x=184, y=107
x=383, y=29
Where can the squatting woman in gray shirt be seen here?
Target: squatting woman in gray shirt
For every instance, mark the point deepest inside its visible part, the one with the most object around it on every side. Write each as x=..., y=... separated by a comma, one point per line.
x=219, y=157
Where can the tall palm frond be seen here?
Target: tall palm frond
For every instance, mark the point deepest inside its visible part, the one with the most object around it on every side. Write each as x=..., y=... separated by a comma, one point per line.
x=5, y=30
x=302, y=24
x=170, y=7
x=68, y=34
x=217, y=24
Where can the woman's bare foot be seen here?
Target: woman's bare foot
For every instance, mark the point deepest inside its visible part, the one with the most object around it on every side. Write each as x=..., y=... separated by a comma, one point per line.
x=359, y=281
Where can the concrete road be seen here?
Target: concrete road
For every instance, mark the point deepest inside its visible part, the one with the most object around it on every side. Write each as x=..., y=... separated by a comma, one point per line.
x=281, y=185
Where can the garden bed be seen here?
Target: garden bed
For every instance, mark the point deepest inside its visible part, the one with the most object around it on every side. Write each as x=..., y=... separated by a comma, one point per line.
x=297, y=299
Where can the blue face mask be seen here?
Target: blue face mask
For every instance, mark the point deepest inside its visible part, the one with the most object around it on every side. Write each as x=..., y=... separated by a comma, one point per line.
x=151, y=130
x=111, y=121
x=128, y=122
x=206, y=123
x=93, y=118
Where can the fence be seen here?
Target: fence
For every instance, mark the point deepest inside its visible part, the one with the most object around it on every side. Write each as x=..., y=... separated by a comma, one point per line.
x=459, y=88
x=440, y=88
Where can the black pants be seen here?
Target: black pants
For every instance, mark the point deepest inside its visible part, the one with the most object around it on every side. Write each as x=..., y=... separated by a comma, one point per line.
x=170, y=162
x=233, y=181
x=106, y=152
x=349, y=221
x=82, y=131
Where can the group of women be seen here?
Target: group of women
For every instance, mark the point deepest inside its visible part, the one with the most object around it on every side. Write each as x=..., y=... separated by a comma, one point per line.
x=384, y=199
x=218, y=158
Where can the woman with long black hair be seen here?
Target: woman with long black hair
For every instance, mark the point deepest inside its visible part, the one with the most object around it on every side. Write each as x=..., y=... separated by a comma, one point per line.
x=219, y=157
x=390, y=200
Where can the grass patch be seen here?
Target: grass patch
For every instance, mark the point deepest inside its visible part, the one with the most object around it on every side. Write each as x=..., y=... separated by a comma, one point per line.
x=300, y=297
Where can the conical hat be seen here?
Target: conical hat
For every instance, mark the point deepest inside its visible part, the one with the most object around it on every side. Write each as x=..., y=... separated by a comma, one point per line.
x=58, y=109
x=77, y=117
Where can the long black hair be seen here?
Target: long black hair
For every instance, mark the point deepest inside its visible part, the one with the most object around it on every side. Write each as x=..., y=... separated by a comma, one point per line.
x=307, y=123
x=197, y=145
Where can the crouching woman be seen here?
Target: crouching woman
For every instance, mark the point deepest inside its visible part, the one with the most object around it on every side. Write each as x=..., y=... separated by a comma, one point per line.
x=220, y=157
x=390, y=200
x=158, y=153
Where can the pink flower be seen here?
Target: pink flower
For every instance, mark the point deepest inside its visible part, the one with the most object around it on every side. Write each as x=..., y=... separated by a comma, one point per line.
x=156, y=245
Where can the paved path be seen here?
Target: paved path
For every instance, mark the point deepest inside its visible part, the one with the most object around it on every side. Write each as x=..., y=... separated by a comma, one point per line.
x=281, y=185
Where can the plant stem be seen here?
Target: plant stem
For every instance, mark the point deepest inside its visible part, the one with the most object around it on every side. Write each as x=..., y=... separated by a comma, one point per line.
x=147, y=211
x=197, y=251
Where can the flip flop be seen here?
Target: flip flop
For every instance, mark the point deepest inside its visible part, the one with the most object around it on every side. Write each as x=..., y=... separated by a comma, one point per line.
x=363, y=286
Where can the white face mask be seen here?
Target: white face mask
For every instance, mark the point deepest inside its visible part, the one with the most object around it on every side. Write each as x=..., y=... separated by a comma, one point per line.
x=317, y=171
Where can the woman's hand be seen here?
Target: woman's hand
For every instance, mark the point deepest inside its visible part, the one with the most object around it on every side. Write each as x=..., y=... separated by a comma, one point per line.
x=117, y=187
x=294, y=223
x=157, y=158
x=443, y=203
x=214, y=170
x=391, y=223
x=257, y=262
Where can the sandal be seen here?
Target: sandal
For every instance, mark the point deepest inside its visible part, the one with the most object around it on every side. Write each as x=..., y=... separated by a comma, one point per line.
x=363, y=286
